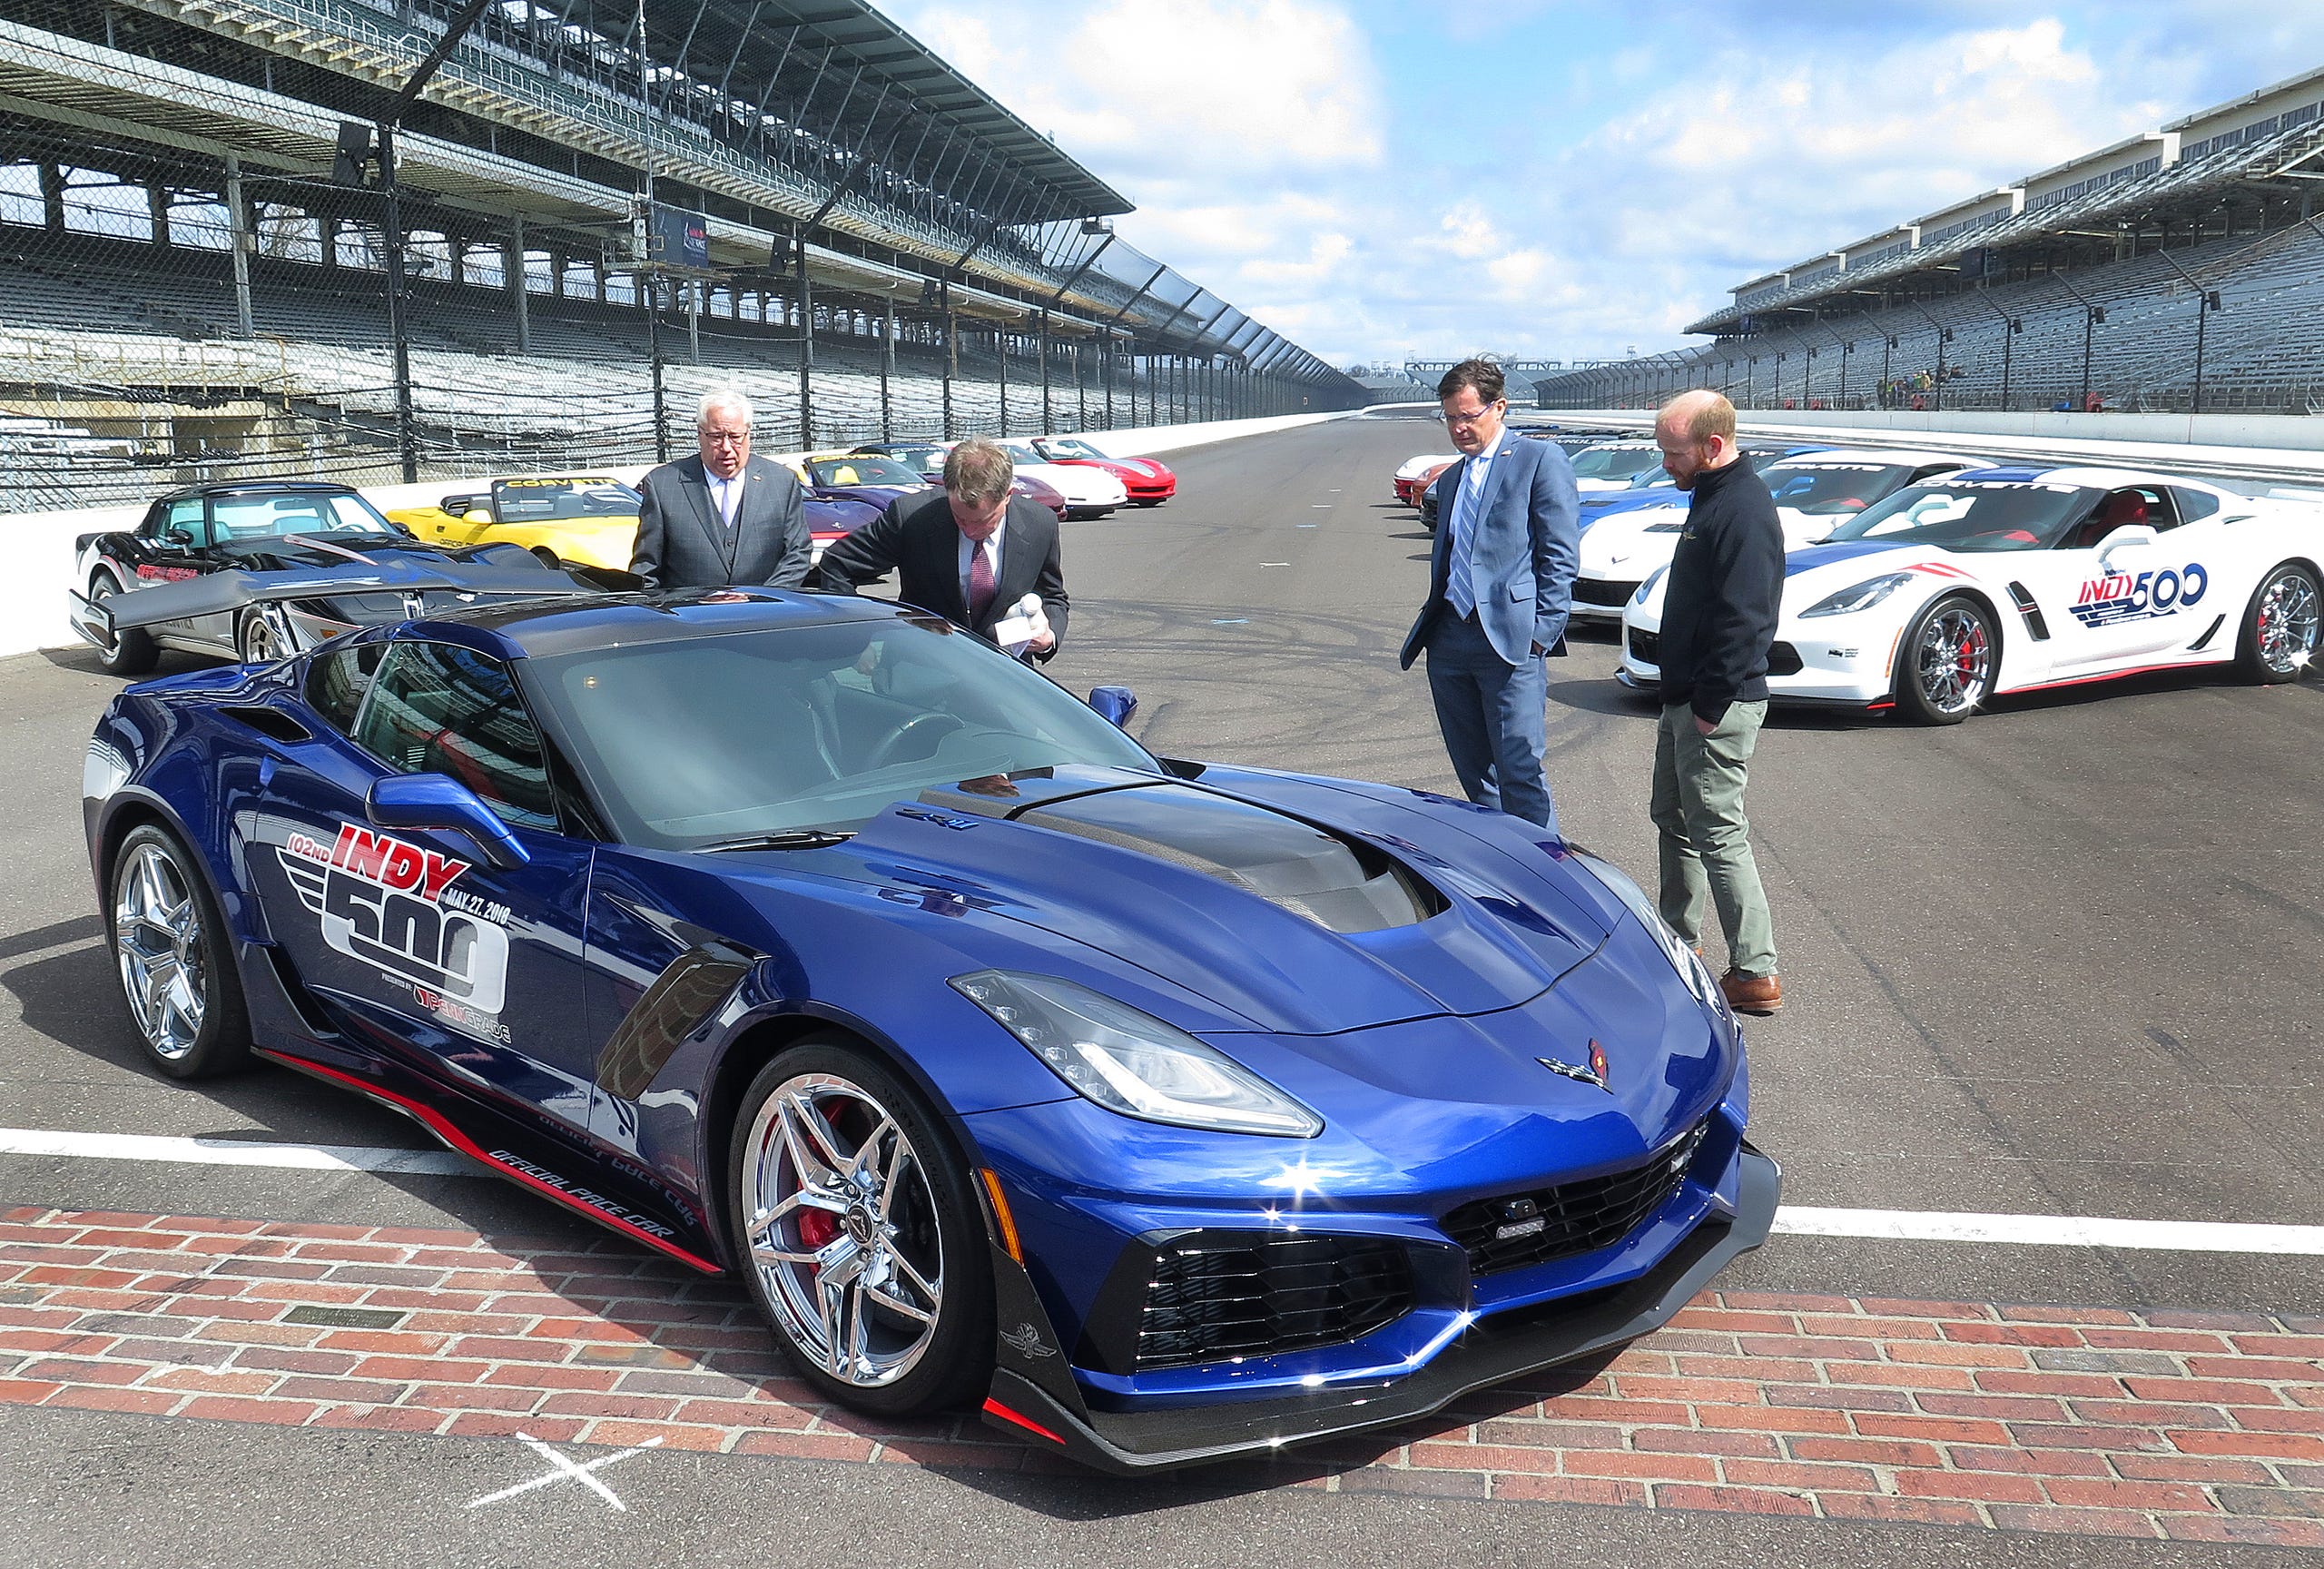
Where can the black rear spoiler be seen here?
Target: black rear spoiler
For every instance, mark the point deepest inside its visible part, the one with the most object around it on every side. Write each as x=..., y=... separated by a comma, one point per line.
x=223, y=593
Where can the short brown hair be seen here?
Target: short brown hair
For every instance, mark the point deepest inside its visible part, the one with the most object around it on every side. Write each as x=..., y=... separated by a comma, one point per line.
x=978, y=470
x=1713, y=416
x=1481, y=374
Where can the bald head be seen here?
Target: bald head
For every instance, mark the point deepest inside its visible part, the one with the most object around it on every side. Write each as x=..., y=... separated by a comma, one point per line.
x=1695, y=432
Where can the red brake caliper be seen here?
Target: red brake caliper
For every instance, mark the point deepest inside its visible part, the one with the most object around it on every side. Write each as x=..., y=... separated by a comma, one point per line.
x=819, y=1228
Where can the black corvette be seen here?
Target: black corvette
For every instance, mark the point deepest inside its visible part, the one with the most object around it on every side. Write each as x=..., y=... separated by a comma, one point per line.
x=265, y=526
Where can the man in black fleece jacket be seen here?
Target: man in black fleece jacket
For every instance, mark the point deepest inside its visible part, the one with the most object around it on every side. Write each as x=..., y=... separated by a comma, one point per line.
x=1718, y=616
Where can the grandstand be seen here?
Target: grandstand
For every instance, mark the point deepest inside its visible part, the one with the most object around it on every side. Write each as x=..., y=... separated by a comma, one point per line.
x=357, y=239
x=2181, y=269
x=1521, y=375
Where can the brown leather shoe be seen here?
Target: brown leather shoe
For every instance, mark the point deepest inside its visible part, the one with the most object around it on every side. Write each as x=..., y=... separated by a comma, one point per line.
x=1760, y=995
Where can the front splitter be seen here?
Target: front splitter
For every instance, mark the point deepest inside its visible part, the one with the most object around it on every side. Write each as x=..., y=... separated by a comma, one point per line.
x=1492, y=1351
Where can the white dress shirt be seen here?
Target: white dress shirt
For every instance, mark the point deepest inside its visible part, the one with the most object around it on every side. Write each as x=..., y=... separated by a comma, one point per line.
x=726, y=496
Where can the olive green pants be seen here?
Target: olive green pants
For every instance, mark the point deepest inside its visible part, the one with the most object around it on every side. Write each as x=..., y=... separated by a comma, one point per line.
x=1706, y=842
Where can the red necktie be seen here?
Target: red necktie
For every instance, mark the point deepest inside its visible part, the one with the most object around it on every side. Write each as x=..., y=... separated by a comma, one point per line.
x=980, y=582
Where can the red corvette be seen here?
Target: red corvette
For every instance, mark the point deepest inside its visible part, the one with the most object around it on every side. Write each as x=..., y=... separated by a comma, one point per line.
x=1149, y=483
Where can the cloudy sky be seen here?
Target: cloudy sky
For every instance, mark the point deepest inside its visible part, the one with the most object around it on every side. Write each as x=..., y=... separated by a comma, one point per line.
x=1570, y=178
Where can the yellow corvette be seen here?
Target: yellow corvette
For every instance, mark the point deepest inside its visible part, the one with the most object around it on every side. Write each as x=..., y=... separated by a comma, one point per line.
x=589, y=520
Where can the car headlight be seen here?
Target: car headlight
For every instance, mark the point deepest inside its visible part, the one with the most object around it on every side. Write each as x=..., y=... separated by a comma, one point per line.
x=1860, y=596
x=1683, y=958
x=1132, y=1062
x=1647, y=587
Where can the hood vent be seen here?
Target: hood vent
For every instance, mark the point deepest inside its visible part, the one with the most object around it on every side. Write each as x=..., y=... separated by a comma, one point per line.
x=1340, y=884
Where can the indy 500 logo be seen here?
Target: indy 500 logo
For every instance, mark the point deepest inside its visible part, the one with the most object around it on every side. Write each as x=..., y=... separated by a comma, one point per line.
x=384, y=903
x=2118, y=597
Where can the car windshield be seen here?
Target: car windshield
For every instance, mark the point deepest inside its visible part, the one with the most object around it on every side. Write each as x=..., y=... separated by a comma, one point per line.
x=1986, y=514
x=1020, y=453
x=1833, y=490
x=1763, y=461
x=1651, y=478
x=1066, y=447
x=548, y=500
x=701, y=740
x=233, y=518
x=864, y=468
x=1614, y=462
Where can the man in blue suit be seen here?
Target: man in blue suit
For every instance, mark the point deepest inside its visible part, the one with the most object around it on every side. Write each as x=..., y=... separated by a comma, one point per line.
x=1500, y=581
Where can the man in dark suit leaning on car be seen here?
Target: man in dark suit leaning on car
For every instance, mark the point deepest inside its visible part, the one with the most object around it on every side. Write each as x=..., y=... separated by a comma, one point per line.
x=969, y=552
x=721, y=516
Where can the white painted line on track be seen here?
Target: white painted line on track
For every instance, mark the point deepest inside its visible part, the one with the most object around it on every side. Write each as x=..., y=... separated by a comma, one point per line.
x=232, y=1152
x=1791, y=1220
x=2050, y=1230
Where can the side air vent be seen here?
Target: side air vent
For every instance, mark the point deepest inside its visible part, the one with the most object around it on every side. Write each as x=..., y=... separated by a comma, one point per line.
x=2036, y=628
x=271, y=722
x=1341, y=884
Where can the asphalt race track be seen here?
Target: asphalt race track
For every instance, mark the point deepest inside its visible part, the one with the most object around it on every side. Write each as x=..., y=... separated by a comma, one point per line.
x=2067, y=959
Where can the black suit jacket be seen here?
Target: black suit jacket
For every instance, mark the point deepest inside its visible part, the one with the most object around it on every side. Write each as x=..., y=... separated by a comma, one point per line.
x=682, y=543
x=916, y=539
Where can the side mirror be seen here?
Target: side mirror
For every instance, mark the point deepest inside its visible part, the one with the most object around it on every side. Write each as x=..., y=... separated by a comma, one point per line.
x=178, y=537
x=1114, y=704
x=2129, y=537
x=439, y=801
x=480, y=516
x=456, y=505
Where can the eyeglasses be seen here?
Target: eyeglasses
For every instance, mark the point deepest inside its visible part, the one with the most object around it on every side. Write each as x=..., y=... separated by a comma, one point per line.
x=1453, y=418
x=724, y=437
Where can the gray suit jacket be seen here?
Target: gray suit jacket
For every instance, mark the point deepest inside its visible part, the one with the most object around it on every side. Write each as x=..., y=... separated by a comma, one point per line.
x=682, y=543
x=1528, y=547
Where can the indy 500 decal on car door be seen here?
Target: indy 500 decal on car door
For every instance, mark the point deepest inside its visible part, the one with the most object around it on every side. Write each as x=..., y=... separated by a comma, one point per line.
x=391, y=906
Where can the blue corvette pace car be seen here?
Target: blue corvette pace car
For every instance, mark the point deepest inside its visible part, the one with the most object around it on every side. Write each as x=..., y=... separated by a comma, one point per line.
x=1167, y=1110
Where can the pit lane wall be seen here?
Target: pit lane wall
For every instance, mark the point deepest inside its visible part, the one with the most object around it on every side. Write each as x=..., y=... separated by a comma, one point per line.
x=39, y=567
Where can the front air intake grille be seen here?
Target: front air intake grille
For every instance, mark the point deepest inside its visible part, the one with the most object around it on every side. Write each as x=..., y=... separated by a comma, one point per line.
x=1215, y=1296
x=1783, y=659
x=1645, y=648
x=1598, y=591
x=1519, y=1229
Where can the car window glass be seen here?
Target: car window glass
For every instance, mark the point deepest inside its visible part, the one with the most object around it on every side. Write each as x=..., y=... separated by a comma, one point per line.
x=191, y=515
x=438, y=708
x=354, y=512
x=708, y=738
x=1971, y=515
x=2193, y=504
x=337, y=680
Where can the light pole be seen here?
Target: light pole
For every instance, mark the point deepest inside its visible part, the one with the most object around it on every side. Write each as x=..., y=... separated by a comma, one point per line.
x=2206, y=302
x=2012, y=326
x=2091, y=315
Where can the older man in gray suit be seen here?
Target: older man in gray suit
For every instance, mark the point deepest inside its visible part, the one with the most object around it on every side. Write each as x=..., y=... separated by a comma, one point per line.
x=1500, y=582
x=721, y=516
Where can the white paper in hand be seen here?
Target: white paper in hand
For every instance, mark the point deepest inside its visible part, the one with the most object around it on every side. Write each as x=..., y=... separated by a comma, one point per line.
x=1026, y=620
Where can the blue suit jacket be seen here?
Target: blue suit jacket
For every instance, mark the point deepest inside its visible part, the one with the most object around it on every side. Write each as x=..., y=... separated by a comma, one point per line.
x=1527, y=548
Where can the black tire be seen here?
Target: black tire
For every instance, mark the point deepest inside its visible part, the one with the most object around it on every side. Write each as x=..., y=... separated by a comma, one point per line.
x=133, y=651
x=1946, y=662
x=2278, y=638
x=854, y=1099
x=152, y=950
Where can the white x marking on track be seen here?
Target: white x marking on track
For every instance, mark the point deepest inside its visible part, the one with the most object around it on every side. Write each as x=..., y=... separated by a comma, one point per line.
x=563, y=1470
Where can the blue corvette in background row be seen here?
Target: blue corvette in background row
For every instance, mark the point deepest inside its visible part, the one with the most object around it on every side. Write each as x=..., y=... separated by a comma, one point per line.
x=1169, y=1111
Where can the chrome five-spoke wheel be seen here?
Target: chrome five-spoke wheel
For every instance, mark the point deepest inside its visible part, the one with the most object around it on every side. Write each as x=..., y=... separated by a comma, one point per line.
x=170, y=951
x=850, y=1211
x=1947, y=663
x=842, y=1229
x=158, y=925
x=2280, y=636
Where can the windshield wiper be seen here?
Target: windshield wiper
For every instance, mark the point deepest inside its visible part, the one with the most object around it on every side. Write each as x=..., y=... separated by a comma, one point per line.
x=792, y=839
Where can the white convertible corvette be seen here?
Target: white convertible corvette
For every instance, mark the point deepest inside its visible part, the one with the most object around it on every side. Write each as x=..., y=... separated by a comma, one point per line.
x=1814, y=494
x=2001, y=580
x=1088, y=492
x=1612, y=465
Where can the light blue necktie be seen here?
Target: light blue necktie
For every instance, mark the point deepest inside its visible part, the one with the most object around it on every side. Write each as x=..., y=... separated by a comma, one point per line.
x=1459, y=592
